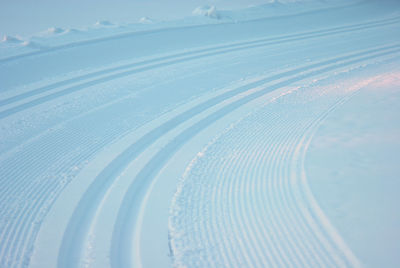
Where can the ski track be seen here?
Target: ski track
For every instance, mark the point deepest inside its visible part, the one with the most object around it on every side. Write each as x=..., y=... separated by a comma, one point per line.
x=125, y=70
x=47, y=49
x=24, y=214
x=271, y=152
x=287, y=228
x=121, y=245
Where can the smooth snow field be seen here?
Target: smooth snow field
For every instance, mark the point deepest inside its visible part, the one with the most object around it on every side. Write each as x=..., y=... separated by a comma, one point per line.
x=250, y=134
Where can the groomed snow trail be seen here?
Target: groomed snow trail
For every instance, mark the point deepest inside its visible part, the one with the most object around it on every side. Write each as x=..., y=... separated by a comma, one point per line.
x=181, y=146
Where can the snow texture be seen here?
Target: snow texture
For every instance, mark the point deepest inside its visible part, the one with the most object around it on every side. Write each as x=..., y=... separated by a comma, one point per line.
x=200, y=134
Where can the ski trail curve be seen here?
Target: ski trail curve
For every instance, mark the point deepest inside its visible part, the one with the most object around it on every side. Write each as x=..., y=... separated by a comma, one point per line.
x=75, y=84
x=258, y=165
x=121, y=250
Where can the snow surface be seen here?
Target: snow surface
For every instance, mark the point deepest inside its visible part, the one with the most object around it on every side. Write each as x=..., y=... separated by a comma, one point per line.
x=199, y=134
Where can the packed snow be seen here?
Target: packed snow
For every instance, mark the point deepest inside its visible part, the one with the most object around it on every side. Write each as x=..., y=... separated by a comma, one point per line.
x=199, y=133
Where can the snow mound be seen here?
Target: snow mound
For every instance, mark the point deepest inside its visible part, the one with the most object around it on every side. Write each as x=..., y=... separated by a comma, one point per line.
x=11, y=39
x=33, y=45
x=55, y=30
x=146, y=20
x=208, y=11
x=103, y=23
x=72, y=30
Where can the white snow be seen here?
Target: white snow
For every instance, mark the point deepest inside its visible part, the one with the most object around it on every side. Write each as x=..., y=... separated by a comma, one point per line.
x=11, y=39
x=199, y=133
x=208, y=11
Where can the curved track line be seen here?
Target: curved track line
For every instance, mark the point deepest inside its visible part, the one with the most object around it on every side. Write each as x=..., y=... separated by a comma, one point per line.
x=66, y=82
x=166, y=61
x=234, y=173
x=146, y=32
x=242, y=164
x=281, y=203
x=278, y=147
x=290, y=247
x=121, y=243
x=82, y=215
x=298, y=161
x=292, y=137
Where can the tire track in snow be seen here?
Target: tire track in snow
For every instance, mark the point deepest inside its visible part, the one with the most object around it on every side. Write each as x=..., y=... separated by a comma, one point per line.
x=75, y=84
x=280, y=158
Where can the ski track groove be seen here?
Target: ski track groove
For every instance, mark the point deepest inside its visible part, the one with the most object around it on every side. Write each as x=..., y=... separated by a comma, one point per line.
x=306, y=193
x=247, y=233
x=223, y=220
x=305, y=235
x=246, y=209
x=45, y=50
x=174, y=59
x=305, y=190
x=235, y=171
x=24, y=220
x=273, y=230
x=276, y=204
x=242, y=164
x=227, y=255
x=174, y=145
x=290, y=246
x=280, y=228
x=281, y=201
x=322, y=260
x=284, y=193
x=58, y=143
x=19, y=172
x=133, y=202
x=23, y=224
x=239, y=224
x=279, y=166
x=23, y=227
x=23, y=183
x=62, y=123
x=328, y=245
x=287, y=73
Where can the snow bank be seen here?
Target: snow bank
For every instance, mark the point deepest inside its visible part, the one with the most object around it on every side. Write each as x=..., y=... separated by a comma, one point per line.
x=55, y=30
x=208, y=11
x=11, y=39
x=145, y=20
x=204, y=14
x=103, y=23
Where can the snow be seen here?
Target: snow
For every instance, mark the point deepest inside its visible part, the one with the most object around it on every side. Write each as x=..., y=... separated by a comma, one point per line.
x=199, y=134
x=362, y=171
x=11, y=39
x=208, y=11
